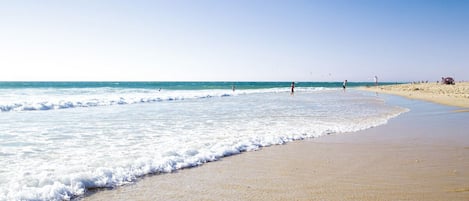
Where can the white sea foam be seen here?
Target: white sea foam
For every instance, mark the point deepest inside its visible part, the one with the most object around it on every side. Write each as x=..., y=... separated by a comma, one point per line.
x=59, y=154
x=52, y=98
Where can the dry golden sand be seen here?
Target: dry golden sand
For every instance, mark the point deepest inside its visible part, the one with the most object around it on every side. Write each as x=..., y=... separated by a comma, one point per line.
x=414, y=157
x=454, y=95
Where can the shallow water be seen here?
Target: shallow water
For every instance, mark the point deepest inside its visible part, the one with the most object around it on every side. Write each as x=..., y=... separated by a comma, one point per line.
x=57, y=154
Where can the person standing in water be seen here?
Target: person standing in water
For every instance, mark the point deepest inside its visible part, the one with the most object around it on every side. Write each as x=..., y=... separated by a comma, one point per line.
x=344, y=85
x=376, y=80
x=292, y=88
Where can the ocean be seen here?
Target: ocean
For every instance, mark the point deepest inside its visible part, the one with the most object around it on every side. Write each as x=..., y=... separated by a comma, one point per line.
x=60, y=139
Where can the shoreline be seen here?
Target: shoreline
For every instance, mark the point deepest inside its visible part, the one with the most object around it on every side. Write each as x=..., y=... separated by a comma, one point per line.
x=420, y=155
x=452, y=95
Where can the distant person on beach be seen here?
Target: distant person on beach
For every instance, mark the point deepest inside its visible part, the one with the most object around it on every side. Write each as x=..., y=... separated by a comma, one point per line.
x=233, y=87
x=344, y=85
x=292, y=88
x=376, y=80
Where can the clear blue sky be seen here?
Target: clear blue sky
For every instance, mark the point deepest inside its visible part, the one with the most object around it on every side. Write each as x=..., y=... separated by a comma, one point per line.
x=239, y=40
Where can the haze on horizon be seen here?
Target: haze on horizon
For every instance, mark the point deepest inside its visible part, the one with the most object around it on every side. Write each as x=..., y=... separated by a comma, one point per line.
x=246, y=40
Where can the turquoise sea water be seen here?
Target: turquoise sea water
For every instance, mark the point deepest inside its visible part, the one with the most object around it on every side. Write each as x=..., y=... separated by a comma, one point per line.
x=59, y=139
x=176, y=85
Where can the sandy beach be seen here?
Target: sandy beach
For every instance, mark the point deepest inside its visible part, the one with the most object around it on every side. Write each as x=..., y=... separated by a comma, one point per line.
x=421, y=155
x=454, y=95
